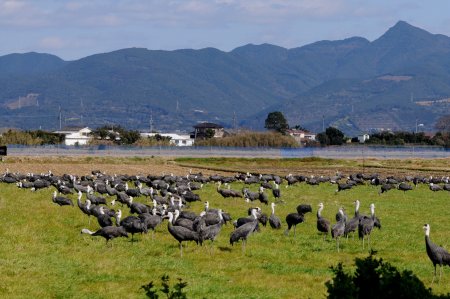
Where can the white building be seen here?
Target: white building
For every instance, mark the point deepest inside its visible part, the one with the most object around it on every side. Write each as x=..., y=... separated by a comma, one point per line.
x=76, y=136
x=175, y=139
x=363, y=137
x=301, y=136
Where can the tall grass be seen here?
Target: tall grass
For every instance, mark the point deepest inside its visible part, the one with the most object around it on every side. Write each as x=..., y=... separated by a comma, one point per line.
x=43, y=255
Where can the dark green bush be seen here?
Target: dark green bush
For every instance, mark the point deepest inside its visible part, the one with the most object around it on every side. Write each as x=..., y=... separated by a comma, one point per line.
x=374, y=278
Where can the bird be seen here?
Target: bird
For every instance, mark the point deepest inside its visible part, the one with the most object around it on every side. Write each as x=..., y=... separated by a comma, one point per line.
x=292, y=220
x=323, y=225
x=108, y=232
x=338, y=229
x=103, y=218
x=181, y=234
x=385, y=188
x=438, y=255
x=263, y=196
x=435, y=188
x=304, y=208
x=366, y=224
x=244, y=231
x=61, y=201
x=132, y=225
x=210, y=232
x=352, y=224
x=276, y=191
x=151, y=220
x=274, y=221
x=404, y=187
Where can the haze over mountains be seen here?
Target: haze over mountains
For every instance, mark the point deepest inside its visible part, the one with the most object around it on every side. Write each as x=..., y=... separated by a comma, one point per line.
x=394, y=82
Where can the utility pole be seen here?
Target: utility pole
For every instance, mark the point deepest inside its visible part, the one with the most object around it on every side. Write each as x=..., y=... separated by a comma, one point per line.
x=323, y=123
x=416, y=125
x=234, y=121
x=151, y=121
x=60, y=118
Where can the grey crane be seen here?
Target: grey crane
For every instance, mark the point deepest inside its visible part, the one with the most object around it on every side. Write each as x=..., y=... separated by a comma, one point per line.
x=132, y=224
x=352, y=224
x=210, y=232
x=181, y=234
x=292, y=220
x=338, y=229
x=366, y=224
x=244, y=231
x=276, y=192
x=61, y=201
x=323, y=225
x=108, y=232
x=103, y=218
x=438, y=255
x=274, y=221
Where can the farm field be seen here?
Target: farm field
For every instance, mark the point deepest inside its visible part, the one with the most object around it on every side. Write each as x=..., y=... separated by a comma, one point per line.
x=43, y=254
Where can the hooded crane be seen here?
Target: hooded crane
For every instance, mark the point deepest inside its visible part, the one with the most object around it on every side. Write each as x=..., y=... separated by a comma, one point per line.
x=338, y=229
x=366, y=224
x=274, y=221
x=438, y=255
x=132, y=224
x=323, y=225
x=61, y=201
x=108, y=232
x=352, y=224
x=181, y=234
x=244, y=231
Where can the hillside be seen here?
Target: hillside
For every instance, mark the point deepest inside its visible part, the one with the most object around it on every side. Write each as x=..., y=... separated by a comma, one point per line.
x=354, y=84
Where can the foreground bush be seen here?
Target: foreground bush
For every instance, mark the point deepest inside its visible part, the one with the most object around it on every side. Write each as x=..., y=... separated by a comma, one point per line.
x=374, y=278
x=175, y=293
x=251, y=139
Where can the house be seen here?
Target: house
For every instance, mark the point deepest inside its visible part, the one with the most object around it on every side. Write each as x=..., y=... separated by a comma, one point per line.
x=363, y=137
x=202, y=130
x=76, y=136
x=175, y=139
x=301, y=136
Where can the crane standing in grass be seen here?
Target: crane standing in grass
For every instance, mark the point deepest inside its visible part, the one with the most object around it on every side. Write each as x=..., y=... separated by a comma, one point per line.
x=438, y=255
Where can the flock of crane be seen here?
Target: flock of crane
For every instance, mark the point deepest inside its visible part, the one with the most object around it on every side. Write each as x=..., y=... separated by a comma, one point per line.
x=170, y=196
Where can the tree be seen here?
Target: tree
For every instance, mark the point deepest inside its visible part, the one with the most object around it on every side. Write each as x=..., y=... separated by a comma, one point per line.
x=277, y=122
x=331, y=136
x=209, y=133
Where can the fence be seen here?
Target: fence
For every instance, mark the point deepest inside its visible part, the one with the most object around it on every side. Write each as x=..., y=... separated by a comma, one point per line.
x=348, y=152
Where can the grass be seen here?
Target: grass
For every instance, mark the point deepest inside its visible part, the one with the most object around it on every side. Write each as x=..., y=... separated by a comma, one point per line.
x=43, y=254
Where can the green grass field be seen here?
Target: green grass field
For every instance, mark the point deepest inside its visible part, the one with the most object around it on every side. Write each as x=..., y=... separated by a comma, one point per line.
x=43, y=255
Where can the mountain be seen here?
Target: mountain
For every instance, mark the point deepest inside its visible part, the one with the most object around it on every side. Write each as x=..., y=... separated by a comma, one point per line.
x=29, y=64
x=354, y=84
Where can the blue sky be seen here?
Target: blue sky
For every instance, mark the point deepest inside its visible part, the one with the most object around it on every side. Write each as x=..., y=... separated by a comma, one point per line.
x=75, y=29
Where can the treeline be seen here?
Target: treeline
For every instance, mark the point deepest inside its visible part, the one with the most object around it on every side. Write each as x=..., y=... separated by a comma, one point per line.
x=38, y=137
x=251, y=139
x=402, y=138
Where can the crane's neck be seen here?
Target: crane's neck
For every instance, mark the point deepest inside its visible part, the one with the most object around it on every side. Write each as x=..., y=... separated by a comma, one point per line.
x=254, y=214
x=372, y=211
x=427, y=232
x=273, y=209
x=319, y=211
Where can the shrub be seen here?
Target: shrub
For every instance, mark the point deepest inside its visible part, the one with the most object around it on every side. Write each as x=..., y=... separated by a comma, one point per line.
x=374, y=278
x=170, y=293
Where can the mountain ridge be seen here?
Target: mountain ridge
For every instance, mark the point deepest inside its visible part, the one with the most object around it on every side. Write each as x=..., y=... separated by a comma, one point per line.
x=336, y=81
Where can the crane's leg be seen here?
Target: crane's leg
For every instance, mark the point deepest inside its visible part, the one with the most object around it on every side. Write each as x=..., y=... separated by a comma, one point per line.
x=363, y=242
x=181, y=249
x=337, y=244
x=434, y=275
x=295, y=226
x=440, y=273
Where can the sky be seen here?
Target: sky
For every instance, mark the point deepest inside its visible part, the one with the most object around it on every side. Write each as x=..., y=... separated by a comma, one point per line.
x=79, y=28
